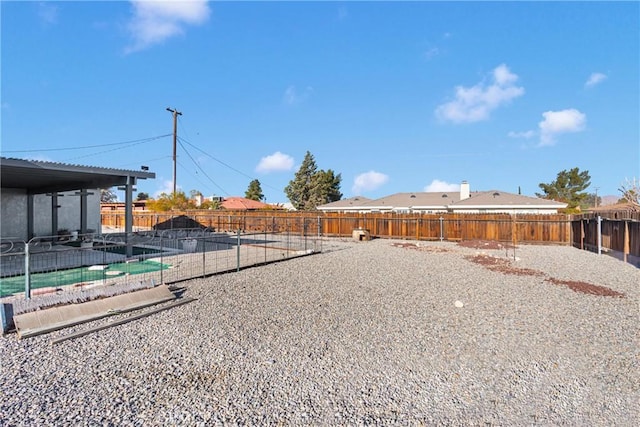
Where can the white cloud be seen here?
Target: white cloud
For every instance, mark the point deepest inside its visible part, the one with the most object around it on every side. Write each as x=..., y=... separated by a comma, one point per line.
x=155, y=21
x=48, y=13
x=526, y=134
x=476, y=103
x=595, y=78
x=167, y=188
x=293, y=97
x=368, y=181
x=275, y=162
x=438, y=186
x=557, y=122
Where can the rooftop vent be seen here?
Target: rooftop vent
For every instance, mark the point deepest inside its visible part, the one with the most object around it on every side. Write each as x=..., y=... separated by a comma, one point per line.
x=413, y=196
x=445, y=195
x=496, y=194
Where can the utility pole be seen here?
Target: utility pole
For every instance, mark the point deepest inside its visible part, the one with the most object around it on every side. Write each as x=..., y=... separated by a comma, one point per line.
x=175, y=113
x=596, y=201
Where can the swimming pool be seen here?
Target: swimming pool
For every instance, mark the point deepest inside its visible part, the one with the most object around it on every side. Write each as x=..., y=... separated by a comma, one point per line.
x=15, y=284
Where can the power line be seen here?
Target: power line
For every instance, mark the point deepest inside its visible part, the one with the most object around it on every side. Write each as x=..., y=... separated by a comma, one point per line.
x=217, y=160
x=202, y=170
x=105, y=151
x=224, y=164
x=197, y=177
x=133, y=142
x=143, y=161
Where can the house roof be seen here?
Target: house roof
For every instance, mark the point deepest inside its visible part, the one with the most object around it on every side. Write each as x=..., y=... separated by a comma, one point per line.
x=352, y=202
x=240, y=203
x=39, y=177
x=627, y=206
x=415, y=200
x=446, y=200
x=496, y=198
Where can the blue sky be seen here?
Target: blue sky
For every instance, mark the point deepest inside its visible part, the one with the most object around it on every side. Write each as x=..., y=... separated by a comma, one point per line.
x=396, y=97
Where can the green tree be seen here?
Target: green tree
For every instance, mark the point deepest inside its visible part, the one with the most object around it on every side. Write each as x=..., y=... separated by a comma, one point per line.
x=328, y=187
x=107, y=196
x=254, y=191
x=166, y=202
x=568, y=187
x=142, y=196
x=312, y=187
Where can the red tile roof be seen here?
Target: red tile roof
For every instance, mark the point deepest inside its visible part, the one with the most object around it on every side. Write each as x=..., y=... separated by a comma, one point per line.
x=242, y=204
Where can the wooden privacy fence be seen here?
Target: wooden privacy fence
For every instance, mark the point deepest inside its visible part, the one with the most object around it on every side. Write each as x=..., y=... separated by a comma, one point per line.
x=554, y=229
x=617, y=231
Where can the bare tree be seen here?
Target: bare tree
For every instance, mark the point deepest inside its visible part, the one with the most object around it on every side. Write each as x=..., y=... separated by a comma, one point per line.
x=630, y=190
x=107, y=196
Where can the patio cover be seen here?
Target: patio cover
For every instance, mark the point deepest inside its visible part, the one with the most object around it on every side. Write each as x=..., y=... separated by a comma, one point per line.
x=38, y=177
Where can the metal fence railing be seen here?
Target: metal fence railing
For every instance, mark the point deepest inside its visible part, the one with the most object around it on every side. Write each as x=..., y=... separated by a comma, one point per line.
x=46, y=264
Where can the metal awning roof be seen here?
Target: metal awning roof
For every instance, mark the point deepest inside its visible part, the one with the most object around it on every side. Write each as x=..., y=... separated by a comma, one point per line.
x=39, y=177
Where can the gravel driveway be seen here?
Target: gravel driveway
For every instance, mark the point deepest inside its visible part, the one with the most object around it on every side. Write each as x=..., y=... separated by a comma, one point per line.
x=379, y=332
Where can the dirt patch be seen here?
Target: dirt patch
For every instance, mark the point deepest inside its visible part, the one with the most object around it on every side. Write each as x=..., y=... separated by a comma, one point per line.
x=586, y=288
x=405, y=245
x=432, y=249
x=483, y=244
x=503, y=265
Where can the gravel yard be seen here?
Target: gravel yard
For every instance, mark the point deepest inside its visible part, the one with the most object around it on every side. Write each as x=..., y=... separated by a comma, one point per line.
x=380, y=332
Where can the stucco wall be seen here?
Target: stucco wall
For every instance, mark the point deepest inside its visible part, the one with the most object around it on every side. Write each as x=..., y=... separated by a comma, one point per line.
x=13, y=213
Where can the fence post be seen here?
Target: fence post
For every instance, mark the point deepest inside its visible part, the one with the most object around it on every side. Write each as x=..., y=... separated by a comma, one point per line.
x=441, y=228
x=304, y=232
x=161, y=258
x=599, y=235
x=238, y=251
x=288, y=228
x=204, y=256
x=514, y=234
x=27, y=275
x=626, y=248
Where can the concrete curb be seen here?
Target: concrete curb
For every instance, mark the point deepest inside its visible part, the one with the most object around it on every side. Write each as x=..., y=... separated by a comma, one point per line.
x=52, y=319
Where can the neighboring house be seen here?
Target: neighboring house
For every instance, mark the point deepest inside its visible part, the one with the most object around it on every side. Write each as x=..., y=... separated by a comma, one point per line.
x=433, y=202
x=450, y=201
x=138, y=205
x=352, y=204
x=625, y=206
x=242, y=204
x=286, y=206
x=495, y=201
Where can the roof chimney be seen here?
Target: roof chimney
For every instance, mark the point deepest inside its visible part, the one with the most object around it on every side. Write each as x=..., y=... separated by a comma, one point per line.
x=465, y=191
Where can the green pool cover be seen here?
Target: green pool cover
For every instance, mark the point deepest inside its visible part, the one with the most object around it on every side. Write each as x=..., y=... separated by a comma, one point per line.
x=12, y=285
